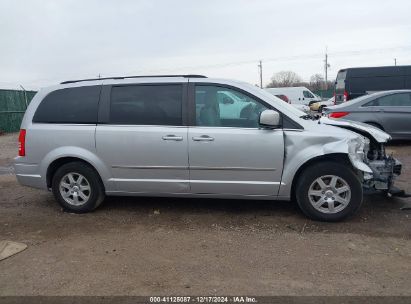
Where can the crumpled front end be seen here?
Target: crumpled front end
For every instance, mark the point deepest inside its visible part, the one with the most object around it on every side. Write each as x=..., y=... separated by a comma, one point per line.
x=369, y=156
x=385, y=169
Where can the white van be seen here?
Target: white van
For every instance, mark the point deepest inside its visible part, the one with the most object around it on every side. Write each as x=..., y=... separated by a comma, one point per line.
x=296, y=95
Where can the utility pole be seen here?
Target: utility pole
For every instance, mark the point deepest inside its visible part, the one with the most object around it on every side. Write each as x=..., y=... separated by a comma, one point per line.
x=326, y=66
x=260, y=66
x=395, y=61
x=25, y=96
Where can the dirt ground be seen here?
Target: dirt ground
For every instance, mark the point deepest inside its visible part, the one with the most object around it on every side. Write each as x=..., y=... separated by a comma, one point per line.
x=164, y=246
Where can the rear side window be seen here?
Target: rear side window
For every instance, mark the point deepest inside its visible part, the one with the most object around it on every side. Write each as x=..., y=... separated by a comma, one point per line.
x=146, y=105
x=394, y=100
x=72, y=105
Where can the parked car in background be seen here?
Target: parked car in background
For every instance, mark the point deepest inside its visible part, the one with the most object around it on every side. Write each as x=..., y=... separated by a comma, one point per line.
x=320, y=105
x=170, y=136
x=283, y=97
x=389, y=111
x=354, y=82
x=296, y=95
x=300, y=105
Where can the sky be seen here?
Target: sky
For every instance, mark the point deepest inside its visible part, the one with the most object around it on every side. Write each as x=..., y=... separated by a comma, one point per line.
x=44, y=42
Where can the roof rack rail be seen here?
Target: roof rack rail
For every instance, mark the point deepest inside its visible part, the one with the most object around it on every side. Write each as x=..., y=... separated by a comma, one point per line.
x=125, y=77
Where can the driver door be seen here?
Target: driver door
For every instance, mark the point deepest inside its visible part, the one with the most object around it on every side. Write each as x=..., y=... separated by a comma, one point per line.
x=229, y=154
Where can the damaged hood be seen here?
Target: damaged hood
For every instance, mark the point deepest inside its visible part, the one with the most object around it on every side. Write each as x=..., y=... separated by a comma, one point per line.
x=362, y=128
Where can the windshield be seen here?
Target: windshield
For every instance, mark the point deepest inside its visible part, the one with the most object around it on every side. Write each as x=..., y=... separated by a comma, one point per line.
x=307, y=94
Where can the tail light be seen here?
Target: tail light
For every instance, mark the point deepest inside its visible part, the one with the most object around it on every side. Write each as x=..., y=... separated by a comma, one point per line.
x=22, y=142
x=345, y=98
x=338, y=114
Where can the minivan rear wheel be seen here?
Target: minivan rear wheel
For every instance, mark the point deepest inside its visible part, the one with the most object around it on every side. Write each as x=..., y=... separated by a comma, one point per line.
x=329, y=191
x=77, y=187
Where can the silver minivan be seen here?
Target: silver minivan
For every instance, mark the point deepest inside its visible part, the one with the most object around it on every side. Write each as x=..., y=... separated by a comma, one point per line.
x=192, y=136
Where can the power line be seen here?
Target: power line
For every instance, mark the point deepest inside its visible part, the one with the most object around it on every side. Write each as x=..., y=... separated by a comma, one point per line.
x=284, y=58
x=238, y=63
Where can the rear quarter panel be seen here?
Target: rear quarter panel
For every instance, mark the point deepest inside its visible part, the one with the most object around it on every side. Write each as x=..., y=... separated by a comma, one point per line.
x=47, y=142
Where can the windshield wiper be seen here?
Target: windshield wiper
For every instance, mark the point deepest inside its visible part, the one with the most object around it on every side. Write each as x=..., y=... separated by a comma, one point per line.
x=309, y=117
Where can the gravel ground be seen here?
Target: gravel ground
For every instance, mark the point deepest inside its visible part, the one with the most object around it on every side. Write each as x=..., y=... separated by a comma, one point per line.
x=164, y=246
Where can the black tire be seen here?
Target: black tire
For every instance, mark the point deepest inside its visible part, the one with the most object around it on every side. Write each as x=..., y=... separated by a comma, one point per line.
x=321, y=169
x=96, y=193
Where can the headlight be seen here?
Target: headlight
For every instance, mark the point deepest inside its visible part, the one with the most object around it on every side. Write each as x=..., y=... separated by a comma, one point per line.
x=357, y=148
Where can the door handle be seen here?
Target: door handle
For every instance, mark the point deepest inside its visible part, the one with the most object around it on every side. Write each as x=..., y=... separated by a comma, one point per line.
x=203, y=138
x=172, y=137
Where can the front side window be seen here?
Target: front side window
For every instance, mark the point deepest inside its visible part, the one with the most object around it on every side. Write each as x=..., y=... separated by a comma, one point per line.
x=72, y=105
x=146, y=105
x=307, y=94
x=394, y=100
x=223, y=107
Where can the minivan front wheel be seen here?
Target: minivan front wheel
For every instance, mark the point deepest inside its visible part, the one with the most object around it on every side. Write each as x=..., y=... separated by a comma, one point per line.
x=77, y=187
x=329, y=191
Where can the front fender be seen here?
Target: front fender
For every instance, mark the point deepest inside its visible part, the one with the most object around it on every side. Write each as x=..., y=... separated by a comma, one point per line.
x=301, y=147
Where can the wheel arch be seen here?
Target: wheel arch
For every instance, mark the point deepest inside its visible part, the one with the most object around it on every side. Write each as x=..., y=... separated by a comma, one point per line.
x=57, y=163
x=336, y=157
x=63, y=155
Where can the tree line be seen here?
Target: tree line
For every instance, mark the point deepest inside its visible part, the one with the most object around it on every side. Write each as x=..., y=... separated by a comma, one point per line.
x=292, y=79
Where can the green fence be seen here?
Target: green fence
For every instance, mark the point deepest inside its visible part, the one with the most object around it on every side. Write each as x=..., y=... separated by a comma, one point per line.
x=13, y=104
x=325, y=94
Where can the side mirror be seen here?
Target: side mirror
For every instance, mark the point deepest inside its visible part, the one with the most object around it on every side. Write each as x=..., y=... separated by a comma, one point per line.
x=270, y=119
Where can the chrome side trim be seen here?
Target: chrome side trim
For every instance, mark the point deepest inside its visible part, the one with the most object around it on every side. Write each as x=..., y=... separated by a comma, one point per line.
x=204, y=181
x=29, y=175
x=149, y=180
x=231, y=168
x=151, y=167
x=194, y=168
x=195, y=181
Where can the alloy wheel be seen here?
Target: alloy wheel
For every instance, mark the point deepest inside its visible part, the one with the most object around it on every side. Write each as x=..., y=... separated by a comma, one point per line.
x=329, y=194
